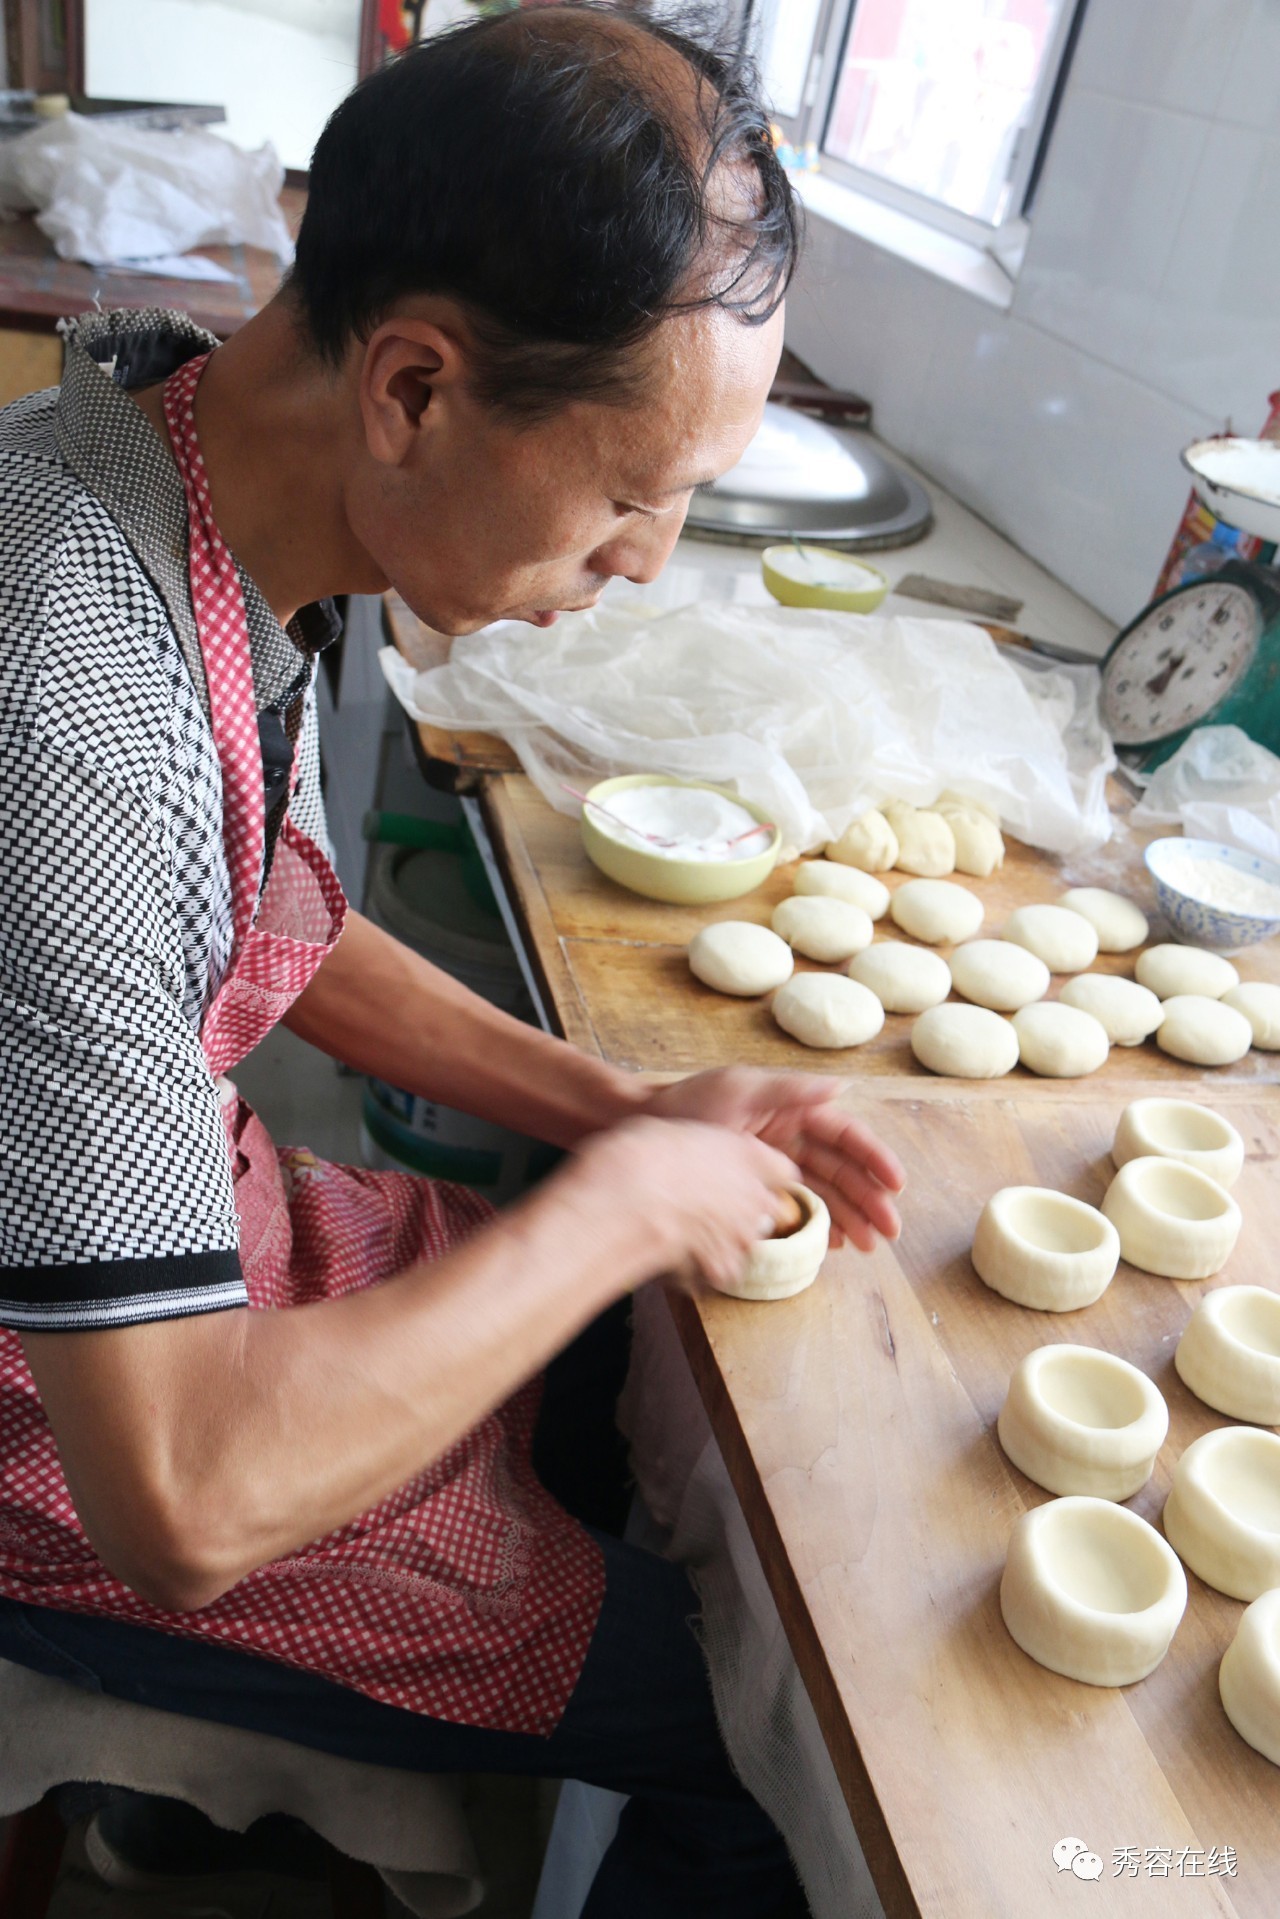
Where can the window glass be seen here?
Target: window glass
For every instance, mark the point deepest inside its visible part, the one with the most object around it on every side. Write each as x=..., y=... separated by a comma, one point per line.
x=784, y=42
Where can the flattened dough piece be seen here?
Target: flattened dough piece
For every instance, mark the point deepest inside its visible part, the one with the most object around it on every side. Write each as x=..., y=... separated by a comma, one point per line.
x=1129, y=1013
x=823, y=928
x=998, y=974
x=870, y=843
x=926, y=844
x=1118, y=922
x=829, y=879
x=1203, y=1031
x=905, y=979
x=738, y=957
x=1170, y=970
x=964, y=1042
x=936, y=911
x=1260, y=1004
x=826, y=1009
x=1060, y=1042
x=1064, y=940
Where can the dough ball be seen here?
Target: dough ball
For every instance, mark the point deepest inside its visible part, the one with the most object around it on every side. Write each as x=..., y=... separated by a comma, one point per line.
x=870, y=843
x=1203, y=1030
x=736, y=956
x=823, y=928
x=979, y=845
x=1185, y=969
x=965, y=1042
x=926, y=844
x=1129, y=1013
x=936, y=911
x=1119, y=924
x=826, y=1009
x=825, y=878
x=1060, y=1042
x=951, y=802
x=1260, y=1005
x=997, y=974
x=905, y=979
x=1064, y=940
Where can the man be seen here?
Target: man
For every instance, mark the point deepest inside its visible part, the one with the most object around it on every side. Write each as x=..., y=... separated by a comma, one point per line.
x=265, y=1423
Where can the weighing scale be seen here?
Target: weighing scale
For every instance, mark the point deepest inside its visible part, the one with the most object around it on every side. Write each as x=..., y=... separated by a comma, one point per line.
x=1208, y=651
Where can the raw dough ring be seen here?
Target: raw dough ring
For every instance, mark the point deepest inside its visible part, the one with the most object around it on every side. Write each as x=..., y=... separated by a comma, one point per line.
x=1223, y=1511
x=1092, y=1591
x=1077, y=1420
x=1179, y=1129
x=1045, y=1249
x=777, y=1268
x=1229, y=1354
x=1172, y=1219
x=1249, y=1677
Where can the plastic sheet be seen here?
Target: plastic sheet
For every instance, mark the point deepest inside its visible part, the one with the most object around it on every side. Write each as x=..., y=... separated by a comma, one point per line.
x=812, y=716
x=1219, y=785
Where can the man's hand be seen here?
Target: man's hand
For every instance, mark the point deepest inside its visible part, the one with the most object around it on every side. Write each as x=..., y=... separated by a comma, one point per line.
x=839, y=1158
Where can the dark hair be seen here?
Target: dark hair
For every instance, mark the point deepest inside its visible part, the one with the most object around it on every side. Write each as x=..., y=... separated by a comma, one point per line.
x=530, y=166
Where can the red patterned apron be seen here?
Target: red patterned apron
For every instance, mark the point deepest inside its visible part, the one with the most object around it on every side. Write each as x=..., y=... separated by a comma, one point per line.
x=467, y=1594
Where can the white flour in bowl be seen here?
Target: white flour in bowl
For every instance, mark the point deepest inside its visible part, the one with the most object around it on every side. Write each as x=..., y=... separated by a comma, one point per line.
x=1220, y=885
x=701, y=825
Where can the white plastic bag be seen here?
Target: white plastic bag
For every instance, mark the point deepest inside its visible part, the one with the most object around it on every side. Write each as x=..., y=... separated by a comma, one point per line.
x=812, y=716
x=105, y=192
x=1219, y=785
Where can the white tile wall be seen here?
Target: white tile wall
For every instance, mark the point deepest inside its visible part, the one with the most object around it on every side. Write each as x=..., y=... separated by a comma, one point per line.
x=1147, y=311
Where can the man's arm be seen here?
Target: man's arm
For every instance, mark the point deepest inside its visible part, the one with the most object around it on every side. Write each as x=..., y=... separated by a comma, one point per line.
x=382, y=1009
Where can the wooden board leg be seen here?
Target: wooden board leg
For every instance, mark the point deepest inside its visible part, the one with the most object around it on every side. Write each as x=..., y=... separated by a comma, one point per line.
x=29, y=1862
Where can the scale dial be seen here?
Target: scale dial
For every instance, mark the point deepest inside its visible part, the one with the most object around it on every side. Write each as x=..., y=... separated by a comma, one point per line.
x=1179, y=660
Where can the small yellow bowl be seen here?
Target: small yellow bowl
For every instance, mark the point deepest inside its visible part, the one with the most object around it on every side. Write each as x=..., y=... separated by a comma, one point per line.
x=678, y=882
x=816, y=577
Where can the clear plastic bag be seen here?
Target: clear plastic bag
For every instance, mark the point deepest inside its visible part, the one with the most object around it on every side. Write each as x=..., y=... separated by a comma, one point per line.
x=812, y=716
x=1219, y=785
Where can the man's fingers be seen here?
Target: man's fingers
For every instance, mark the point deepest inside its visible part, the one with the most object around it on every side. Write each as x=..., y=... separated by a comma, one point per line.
x=864, y=1194
x=854, y=1141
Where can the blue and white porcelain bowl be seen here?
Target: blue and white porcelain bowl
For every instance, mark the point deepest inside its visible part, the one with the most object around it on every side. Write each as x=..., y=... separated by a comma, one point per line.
x=1195, y=920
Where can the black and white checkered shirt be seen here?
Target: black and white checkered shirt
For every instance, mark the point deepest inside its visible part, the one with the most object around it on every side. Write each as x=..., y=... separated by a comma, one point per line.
x=115, y=907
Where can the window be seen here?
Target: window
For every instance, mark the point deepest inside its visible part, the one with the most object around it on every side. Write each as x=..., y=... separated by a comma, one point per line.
x=938, y=107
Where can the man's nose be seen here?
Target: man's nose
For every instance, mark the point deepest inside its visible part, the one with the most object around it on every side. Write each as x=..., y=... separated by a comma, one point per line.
x=640, y=552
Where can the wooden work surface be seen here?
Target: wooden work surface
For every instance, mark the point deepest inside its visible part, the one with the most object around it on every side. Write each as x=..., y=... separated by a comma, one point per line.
x=858, y=1423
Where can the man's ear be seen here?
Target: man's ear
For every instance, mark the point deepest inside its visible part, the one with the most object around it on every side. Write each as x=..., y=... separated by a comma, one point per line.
x=408, y=365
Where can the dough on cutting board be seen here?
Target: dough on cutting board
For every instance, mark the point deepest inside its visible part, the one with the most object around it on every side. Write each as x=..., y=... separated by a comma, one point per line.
x=1044, y=1249
x=738, y=957
x=1260, y=1004
x=926, y=844
x=1173, y=1220
x=779, y=1267
x=1203, y=1031
x=964, y=1042
x=869, y=843
x=1176, y=970
x=1060, y=1042
x=1179, y=1129
x=828, y=878
x=997, y=974
x=979, y=844
x=1077, y=1420
x=826, y=1009
x=1130, y=1013
x=823, y=928
x=1118, y=922
x=905, y=979
x=1222, y=1516
x=1092, y=1591
x=936, y=911
x=1249, y=1677
x=1229, y=1353
x=1064, y=940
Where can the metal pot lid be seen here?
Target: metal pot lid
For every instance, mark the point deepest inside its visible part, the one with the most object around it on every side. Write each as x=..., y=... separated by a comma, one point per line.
x=816, y=481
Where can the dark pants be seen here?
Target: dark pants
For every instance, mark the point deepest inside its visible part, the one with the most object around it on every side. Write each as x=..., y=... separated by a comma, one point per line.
x=691, y=1841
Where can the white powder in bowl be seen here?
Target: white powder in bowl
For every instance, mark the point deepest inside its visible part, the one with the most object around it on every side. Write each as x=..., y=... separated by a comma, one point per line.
x=1220, y=885
x=700, y=825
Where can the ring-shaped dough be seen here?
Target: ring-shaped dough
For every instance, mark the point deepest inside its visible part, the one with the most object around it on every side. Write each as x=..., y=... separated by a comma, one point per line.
x=1222, y=1515
x=1064, y=940
x=1060, y=1042
x=905, y=979
x=1092, y=1591
x=1172, y=1220
x=1229, y=1354
x=1077, y=1420
x=936, y=911
x=964, y=1042
x=1179, y=1129
x=739, y=957
x=1127, y=1012
x=827, y=1010
x=1044, y=1249
x=1249, y=1676
x=998, y=975
x=779, y=1268
x=1119, y=924
x=1170, y=970
x=1203, y=1031
x=828, y=878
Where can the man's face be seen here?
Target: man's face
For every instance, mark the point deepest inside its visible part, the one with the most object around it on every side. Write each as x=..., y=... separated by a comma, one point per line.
x=484, y=519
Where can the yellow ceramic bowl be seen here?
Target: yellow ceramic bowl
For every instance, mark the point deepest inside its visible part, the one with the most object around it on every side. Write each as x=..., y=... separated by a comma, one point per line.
x=679, y=882
x=822, y=576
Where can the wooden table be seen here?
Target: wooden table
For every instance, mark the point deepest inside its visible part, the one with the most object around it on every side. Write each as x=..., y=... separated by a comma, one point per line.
x=858, y=1423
